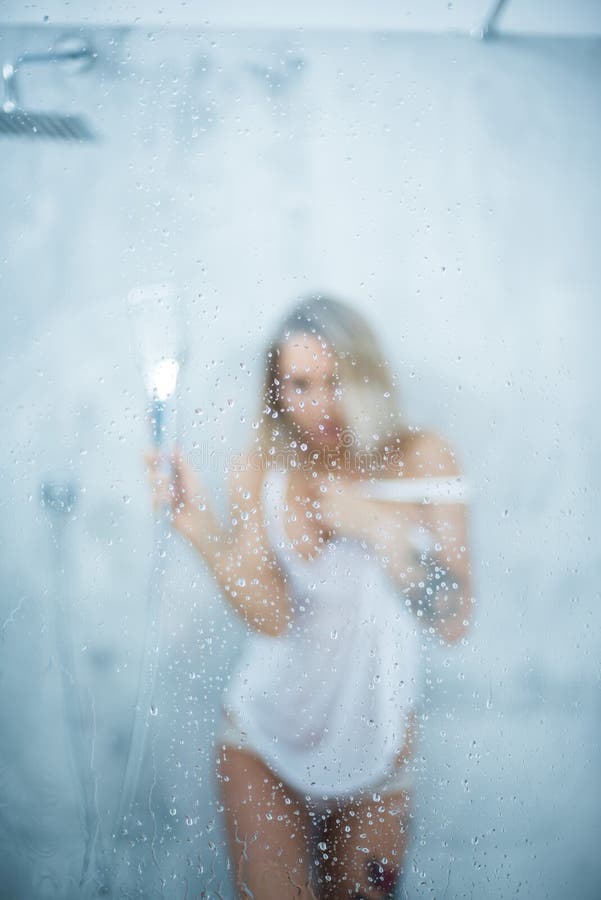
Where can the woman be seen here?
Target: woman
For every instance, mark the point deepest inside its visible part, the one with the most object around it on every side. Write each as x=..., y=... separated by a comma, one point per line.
x=319, y=722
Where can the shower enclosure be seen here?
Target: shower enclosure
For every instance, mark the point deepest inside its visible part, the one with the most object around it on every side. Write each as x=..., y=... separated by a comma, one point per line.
x=447, y=184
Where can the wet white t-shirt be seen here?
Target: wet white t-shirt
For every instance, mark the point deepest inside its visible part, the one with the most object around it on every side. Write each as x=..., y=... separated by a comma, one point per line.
x=326, y=704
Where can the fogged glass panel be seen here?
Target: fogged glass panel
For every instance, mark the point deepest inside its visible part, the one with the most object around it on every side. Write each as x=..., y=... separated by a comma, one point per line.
x=298, y=473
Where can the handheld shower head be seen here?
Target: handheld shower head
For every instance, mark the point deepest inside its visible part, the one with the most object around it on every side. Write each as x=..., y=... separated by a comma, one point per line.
x=18, y=122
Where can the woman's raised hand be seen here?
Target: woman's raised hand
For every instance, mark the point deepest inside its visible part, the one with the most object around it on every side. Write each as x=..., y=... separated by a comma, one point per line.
x=181, y=491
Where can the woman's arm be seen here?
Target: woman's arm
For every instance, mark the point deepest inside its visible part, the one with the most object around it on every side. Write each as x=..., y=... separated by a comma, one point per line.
x=437, y=583
x=248, y=569
x=448, y=601
x=239, y=557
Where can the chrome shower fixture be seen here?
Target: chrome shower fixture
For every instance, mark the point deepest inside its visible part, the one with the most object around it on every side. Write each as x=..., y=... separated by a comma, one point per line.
x=488, y=29
x=16, y=121
x=59, y=495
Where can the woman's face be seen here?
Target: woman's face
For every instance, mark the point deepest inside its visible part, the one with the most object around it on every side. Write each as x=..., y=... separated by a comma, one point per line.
x=309, y=389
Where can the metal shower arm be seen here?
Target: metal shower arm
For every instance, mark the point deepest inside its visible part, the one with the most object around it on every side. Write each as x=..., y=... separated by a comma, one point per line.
x=488, y=28
x=9, y=70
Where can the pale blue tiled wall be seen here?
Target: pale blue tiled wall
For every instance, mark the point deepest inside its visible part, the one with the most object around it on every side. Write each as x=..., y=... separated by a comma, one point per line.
x=451, y=189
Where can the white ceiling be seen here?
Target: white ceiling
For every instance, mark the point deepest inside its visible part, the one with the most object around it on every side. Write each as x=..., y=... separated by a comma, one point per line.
x=550, y=17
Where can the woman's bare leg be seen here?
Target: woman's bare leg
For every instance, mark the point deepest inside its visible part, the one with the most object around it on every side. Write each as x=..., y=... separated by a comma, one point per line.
x=365, y=844
x=366, y=840
x=268, y=829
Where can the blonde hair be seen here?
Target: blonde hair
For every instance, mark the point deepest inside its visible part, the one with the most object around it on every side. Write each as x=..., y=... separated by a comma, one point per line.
x=369, y=396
